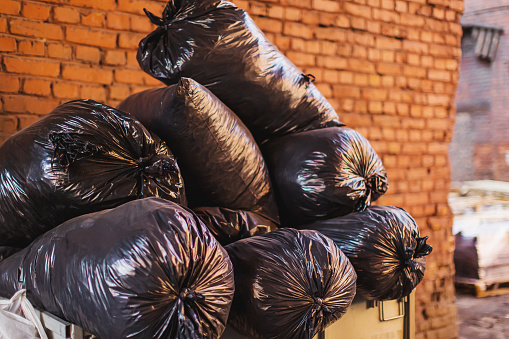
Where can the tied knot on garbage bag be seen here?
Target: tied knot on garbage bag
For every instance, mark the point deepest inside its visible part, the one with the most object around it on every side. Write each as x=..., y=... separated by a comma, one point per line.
x=189, y=294
x=421, y=250
x=156, y=165
x=320, y=309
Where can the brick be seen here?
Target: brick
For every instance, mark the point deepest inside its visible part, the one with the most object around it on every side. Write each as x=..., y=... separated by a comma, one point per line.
x=7, y=44
x=66, y=14
x=65, y=90
x=97, y=93
x=86, y=36
x=28, y=104
x=119, y=92
x=331, y=62
x=131, y=59
x=36, y=29
x=295, y=14
x=269, y=25
x=326, y=5
x=357, y=10
x=362, y=66
x=412, y=20
x=330, y=34
x=93, y=19
x=374, y=94
x=37, y=87
x=10, y=7
x=142, y=24
x=439, y=75
x=416, y=72
x=136, y=6
x=129, y=40
x=114, y=57
x=26, y=120
x=35, y=11
x=59, y=51
x=386, y=16
x=86, y=53
x=297, y=30
x=118, y=21
x=129, y=76
x=387, y=43
x=275, y=12
x=390, y=69
x=9, y=84
x=8, y=124
x=3, y=25
x=106, y=5
x=86, y=74
x=32, y=66
x=30, y=47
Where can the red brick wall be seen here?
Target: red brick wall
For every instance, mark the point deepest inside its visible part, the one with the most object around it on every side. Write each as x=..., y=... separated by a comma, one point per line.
x=389, y=67
x=482, y=92
x=53, y=52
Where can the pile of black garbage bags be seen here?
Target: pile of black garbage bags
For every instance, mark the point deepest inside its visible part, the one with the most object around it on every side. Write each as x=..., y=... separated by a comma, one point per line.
x=232, y=196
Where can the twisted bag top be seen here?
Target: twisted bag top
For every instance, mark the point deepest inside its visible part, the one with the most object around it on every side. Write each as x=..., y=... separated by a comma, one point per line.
x=324, y=173
x=289, y=284
x=220, y=161
x=385, y=248
x=146, y=269
x=219, y=45
x=81, y=157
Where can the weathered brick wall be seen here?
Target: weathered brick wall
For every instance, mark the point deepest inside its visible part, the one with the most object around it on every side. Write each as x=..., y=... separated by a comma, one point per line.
x=54, y=51
x=389, y=67
x=482, y=96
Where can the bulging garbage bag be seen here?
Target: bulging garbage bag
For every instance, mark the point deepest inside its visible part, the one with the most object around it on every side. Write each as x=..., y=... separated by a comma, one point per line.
x=220, y=161
x=220, y=46
x=229, y=225
x=80, y=158
x=289, y=284
x=385, y=248
x=146, y=269
x=324, y=173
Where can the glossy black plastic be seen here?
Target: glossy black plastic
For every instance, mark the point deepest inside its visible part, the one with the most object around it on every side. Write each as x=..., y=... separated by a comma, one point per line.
x=289, y=284
x=231, y=225
x=80, y=158
x=146, y=269
x=220, y=161
x=324, y=173
x=385, y=248
x=220, y=46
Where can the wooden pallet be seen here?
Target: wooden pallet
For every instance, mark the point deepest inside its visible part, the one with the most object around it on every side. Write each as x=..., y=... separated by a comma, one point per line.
x=482, y=289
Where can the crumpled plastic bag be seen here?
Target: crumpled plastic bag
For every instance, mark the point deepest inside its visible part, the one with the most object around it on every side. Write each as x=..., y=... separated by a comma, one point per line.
x=289, y=284
x=219, y=159
x=231, y=225
x=146, y=269
x=82, y=157
x=385, y=248
x=220, y=46
x=323, y=173
x=18, y=319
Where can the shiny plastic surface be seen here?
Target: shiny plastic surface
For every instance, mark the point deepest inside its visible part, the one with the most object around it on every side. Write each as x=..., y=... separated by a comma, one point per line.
x=80, y=158
x=220, y=161
x=146, y=269
x=289, y=284
x=324, y=173
x=231, y=225
x=220, y=46
x=384, y=247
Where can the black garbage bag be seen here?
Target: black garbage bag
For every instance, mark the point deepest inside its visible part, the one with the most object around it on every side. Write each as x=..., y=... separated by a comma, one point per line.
x=324, y=173
x=220, y=46
x=231, y=225
x=220, y=161
x=80, y=158
x=146, y=269
x=385, y=248
x=289, y=284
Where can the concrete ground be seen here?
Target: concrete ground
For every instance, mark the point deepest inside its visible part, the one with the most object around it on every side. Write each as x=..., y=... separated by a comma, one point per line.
x=483, y=318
